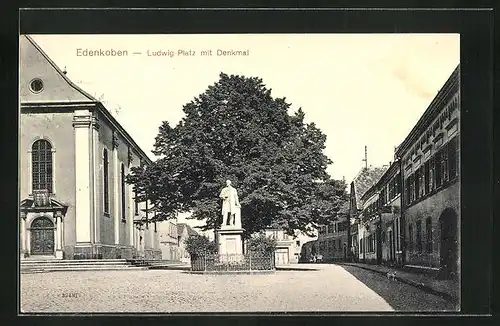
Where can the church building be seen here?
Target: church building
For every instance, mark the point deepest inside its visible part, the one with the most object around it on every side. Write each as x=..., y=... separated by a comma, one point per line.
x=74, y=157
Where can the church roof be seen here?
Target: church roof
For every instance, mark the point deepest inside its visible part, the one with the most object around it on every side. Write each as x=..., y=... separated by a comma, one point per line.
x=57, y=89
x=182, y=226
x=366, y=179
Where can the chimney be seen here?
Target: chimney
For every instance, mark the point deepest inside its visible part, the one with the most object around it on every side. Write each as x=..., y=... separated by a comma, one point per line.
x=65, y=71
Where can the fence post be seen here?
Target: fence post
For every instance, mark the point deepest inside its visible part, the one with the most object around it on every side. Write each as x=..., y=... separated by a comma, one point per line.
x=250, y=258
x=205, y=263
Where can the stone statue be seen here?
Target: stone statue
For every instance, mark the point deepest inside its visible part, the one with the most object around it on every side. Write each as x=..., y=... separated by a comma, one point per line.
x=230, y=206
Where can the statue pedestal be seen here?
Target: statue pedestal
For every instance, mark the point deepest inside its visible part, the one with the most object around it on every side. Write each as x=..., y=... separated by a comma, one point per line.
x=230, y=240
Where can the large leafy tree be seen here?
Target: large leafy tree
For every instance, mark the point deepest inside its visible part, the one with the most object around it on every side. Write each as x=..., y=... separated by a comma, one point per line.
x=236, y=130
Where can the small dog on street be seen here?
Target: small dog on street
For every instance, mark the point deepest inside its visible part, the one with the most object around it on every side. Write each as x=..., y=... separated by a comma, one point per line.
x=391, y=276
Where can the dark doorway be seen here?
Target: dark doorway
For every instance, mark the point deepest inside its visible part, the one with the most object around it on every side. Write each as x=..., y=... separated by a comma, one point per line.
x=448, y=243
x=42, y=236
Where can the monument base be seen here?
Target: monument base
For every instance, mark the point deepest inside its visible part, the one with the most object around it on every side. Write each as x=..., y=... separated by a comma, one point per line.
x=230, y=243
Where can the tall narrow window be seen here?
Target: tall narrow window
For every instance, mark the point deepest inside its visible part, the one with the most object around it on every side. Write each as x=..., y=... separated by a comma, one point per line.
x=419, y=236
x=453, y=158
x=438, y=169
x=123, y=192
x=398, y=183
x=41, y=165
x=417, y=184
x=444, y=165
x=426, y=177
x=428, y=230
x=105, y=165
x=432, y=173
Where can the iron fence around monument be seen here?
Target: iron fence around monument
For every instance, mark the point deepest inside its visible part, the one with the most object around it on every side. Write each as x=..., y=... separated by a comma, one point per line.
x=233, y=262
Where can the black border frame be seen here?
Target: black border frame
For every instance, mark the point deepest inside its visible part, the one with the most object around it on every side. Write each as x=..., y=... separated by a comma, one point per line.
x=475, y=27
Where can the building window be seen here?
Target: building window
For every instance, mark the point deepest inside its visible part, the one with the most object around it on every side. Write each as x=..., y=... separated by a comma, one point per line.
x=428, y=230
x=339, y=246
x=398, y=183
x=123, y=192
x=410, y=237
x=453, y=156
x=426, y=177
x=412, y=188
x=417, y=184
x=444, y=164
x=41, y=165
x=438, y=169
x=419, y=236
x=36, y=85
x=432, y=173
x=105, y=164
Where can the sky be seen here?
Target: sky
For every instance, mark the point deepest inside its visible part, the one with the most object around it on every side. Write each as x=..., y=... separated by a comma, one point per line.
x=359, y=89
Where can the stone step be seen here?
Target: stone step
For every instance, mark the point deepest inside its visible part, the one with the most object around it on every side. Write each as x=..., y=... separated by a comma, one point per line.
x=75, y=263
x=80, y=269
x=43, y=261
x=76, y=266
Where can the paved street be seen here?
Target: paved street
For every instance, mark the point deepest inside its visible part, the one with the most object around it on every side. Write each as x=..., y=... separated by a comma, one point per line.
x=331, y=288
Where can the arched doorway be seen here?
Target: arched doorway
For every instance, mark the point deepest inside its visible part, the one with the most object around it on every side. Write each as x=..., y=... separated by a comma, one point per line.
x=42, y=236
x=448, y=243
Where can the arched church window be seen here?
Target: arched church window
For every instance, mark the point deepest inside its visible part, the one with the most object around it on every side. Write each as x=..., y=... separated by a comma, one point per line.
x=41, y=161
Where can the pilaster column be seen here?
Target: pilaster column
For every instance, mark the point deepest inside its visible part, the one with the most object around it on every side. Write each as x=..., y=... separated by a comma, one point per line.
x=83, y=204
x=116, y=193
x=22, y=235
x=96, y=161
x=58, y=233
x=152, y=234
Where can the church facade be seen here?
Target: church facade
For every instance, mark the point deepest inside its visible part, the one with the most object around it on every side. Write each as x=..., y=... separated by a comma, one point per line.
x=74, y=158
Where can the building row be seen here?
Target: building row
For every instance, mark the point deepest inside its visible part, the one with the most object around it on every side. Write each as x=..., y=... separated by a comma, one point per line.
x=406, y=213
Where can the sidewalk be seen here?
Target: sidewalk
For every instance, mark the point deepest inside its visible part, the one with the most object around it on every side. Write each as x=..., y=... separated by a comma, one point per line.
x=446, y=289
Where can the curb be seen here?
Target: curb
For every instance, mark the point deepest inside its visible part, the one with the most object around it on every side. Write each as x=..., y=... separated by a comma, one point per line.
x=420, y=286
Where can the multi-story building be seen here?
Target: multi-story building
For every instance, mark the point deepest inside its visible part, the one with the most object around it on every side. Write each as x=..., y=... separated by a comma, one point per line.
x=380, y=220
x=364, y=180
x=369, y=228
x=389, y=209
x=74, y=156
x=430, y=167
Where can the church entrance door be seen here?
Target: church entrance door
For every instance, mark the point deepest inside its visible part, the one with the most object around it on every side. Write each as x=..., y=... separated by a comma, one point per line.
x=42, y=237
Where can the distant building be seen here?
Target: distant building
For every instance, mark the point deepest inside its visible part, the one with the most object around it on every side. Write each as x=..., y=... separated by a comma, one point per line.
x=308, y=251
x=184, y=231
x=332, y=238
x=287, y=247
x=430, y=165
x=74, y=157
x=169, y=241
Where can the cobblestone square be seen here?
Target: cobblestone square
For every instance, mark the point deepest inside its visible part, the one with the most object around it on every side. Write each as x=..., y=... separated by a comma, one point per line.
x=330, y=288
